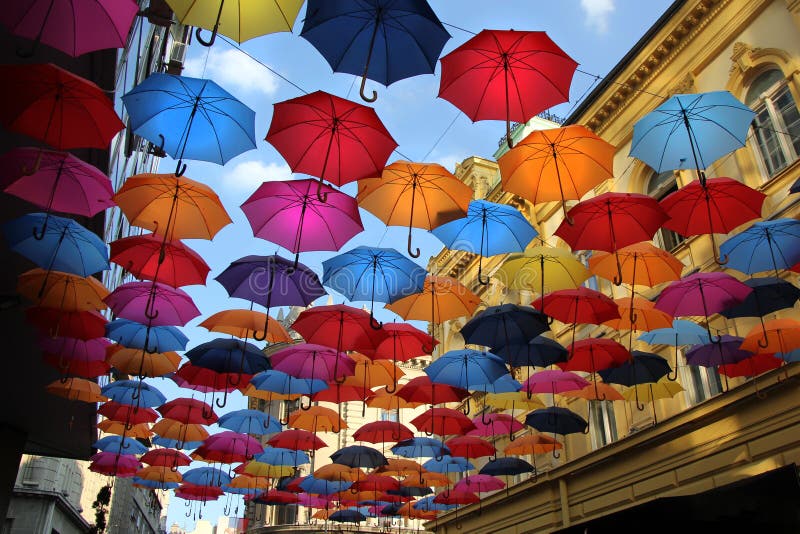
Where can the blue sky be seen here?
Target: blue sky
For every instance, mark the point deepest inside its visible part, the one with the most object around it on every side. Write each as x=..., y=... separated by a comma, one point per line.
x=596, y=33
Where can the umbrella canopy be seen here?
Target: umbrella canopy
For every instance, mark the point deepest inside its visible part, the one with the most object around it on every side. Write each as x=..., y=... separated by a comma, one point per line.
x=280, y=456
x=127, y=414
x=593, y=354
x=469, y=447
x=319, y=486
x=316, y=419
x=76, y=356
x=190, y=118
x=753, y=366
x=374, y=274
x=466, y=369
x=778, y=336
x=402, y=342
x=532, y=444
x=383, y=432
x=153, y=303
x=506, y=75
x=289, y=214
x=134, y=392
x=499, y=326
x=75, y=28
x=307, y=360
x=141, y=336
x=338, y=326
x=423, y=389
x=206, y=476
x=448, y=464
x=62, y=291
x=487, y=230
x=641, y=368
x=582, y=305
x=479, y=484
x=557, y=164
x=722, y=352
x=141, y=363
x=62, y=182
x=641, y=264
x=555, y=420
x=165, y=458
x=442, y=298
x=226, y=355
x=419, y=447
x=764, y=246
x=238, y=19
x=78, y=324
x=116, y=465
x=682, y=332
x=249, y=422
x=297, y=440
x=359, y=456
x=142, y=257
x=188, y=411
x=420, y=195
x=549, y=381
x=506, y=466
x=172, y=206
x=56, y=107
x=443, y=422
x=696, y=128
x=228, y=447
x=637, y=313
x=538, y=352
x=119, y=445
x=653, y=391
x=279, y=382
x=329, y=137
x=382, y=40
x=247, y=323
x=543, y=269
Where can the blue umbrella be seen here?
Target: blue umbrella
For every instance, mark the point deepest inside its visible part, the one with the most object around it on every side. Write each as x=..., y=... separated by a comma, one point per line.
x=134, y=392
x=487, y=230
x=764, y=246
x=249, y=422
x=426, y=504
x=683, y=332
x=61, y=245
x=769, y=294
x=448, y=464
x=420, y=447
x=116, y=444
x=507, y=324
x=374, y=274
x=359, y=456
x=207, y=476
x=538, y=352
x=320, y=486
x=174, y=443
x=279, y=456
x=383, y=40
x=467, y=369
x=696, y=128
x=154, y=484
x=141, y=336
x=347, y=516
x=280, y=382
x=555, y=420
x=190, y=118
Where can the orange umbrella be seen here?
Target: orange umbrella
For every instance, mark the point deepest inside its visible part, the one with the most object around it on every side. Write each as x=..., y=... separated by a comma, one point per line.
x=157, y=473
x=339, y=472
x=532, y=444
x=316, y=419
x=140, y=430
x=557, y=164
x=63, y=291
x=141, y=363
x=641, y=264
x=442, y=298
x=777, y=336
x=77, y=389
x=249, y=482
x=426, y=478
x=639, y=314
x=251, y=391
x=598, y=391
x=172, y=206
x=374, y=373
x=389, y=401
x=171, y=429
x=408, y=510
x=420, y=195
x=400, y=467
x=247, y=323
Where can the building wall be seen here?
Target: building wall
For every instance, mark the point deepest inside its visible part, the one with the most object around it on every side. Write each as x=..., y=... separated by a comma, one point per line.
x=700, y=45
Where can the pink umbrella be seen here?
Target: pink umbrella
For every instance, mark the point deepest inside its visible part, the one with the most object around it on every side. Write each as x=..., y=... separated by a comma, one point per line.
x=291, y=215
x=62, y=183
x=152, y=303
x=494, y=424
x=479, y=484
x=315, y=362
x=111, y=464
x=702, y=294
x=76, y=356
x=72, y=26
x=313, y=501
x=554, y=382
x=229, y=447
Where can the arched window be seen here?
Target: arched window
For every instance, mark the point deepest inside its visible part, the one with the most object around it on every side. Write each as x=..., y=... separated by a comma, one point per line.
x=659, y=186
x=777, y=122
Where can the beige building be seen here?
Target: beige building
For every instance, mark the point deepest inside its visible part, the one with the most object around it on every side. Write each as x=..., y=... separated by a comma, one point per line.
x=711, y=446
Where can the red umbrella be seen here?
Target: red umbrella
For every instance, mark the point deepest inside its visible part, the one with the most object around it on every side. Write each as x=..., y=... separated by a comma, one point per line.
x=595, y=354
x=717, y=206
x=188, y=411
x=206, y=380
x=149, y=257
x=383, y=432
x=344, y=392
x=339, y=326
x=506, y=75
x=469, y=447
x=54, y=106
x=126, y=413
x=194, y=492
x=297, y=440
x=752, y=366
x=166, y=458
x=75, y=324
x=403, y=342
x=329, y=137
x=274, y=496
x=443, y=421
x=374, y=482
x=611, y=221
x=582, y=305
x=421, y=389
x=228, y=447
x=456, y=497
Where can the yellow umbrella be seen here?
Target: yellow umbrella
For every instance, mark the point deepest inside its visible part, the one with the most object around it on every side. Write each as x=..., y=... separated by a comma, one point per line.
x=544, y=269
x=652, y=391
x=238, y=19
x=513, y=400
x=260, y=469
x=142, y=363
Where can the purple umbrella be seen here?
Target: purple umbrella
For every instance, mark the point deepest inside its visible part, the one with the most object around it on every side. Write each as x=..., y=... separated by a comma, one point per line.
x=271, y=281
x=152, y=303
x=723, y=352
x=75, y=27
x=315, y=362
x=702, y=294
x=290, y=214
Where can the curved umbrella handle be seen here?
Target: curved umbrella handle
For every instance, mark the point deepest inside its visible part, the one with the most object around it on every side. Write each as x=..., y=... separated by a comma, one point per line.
x=37, y=164
x=322, y=197
x=482, y=281
x=412, y=253
x=484, y=421
x=467, y=408
x=214, y=31
x=672, y=376
x=304, y=408
x=224, y=399
x=639, y=407
x=362, y=90
x=180, y=169
x=570, y=220
x=39, y=235
x=207, y=414
x=373, y=322
x=556, y=454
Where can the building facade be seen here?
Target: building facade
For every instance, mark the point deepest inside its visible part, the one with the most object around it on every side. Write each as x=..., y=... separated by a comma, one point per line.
x=672, y=463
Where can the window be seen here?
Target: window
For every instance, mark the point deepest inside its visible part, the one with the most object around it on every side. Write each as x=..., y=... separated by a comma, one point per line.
x=701, y=383
x=659, y=186
x=777, y=121
x=603, y=423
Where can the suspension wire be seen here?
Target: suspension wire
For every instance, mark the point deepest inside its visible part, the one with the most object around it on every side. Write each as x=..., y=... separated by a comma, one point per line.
x=236, y=46
x=459, y=28
x=623, y=84
x=439, y=139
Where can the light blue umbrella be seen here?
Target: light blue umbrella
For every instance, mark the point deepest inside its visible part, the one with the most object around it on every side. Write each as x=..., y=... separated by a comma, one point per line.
x=373, y=274
x=467, y=369
x=420, y=447
x=190, y=118
x=154, y=484
x=487, y=230
x=683, y=332
x=280, y=382
x=691, y=129
x=279, y=456
x=207, y=476
x=319, y=486
x=448, y=464
x=134, y=393
x=117, y=444
x=764, y=246
x=57, y=244
x=426, y=504
x=141, y=336
x=168, y=443
x=249, y=422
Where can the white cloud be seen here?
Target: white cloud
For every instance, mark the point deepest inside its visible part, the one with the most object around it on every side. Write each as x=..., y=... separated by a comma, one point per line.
x=233, y=70
x=597, y=13
x=248, y=175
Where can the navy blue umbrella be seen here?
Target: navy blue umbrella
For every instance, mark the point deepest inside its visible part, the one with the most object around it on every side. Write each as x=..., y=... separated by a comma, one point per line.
x=347, y=516
x=765, y=246
x=359, y=456
x=506, y=466
x=383, y=40
x=141, y=336
x=555, y=420
x=487, y=230
x=190, y=118
x=374, y=274
x=643, y=367
x=538, y=352
x=507, y=324
x=426, y=504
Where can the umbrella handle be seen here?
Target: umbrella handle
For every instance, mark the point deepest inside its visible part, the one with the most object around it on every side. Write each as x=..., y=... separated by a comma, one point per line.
x=180, y=169
x=484, y=421
x=39, y=235
x=467, y=408
x=224, y=399
x=322, y=197
x=290, y=270
x=556, y=454
x=374, y=323
x=214, y=31
x=722, y=259
x=304, y=408
x=363, y=88
x=670, y=376
x=37, y=164
x=412, y=253
x=509, y=142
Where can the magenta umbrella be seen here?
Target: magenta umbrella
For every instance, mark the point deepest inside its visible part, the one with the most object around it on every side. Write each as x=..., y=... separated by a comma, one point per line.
x=152, y=303
x=229, y=447
x=115, y=465
x=479, y=484
x=72, y=26
x=62, y=183
x=71, y=355
x=290, y=214
x=554, y=381
x=495, y=424
x=702, y=294
x=314, y=362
